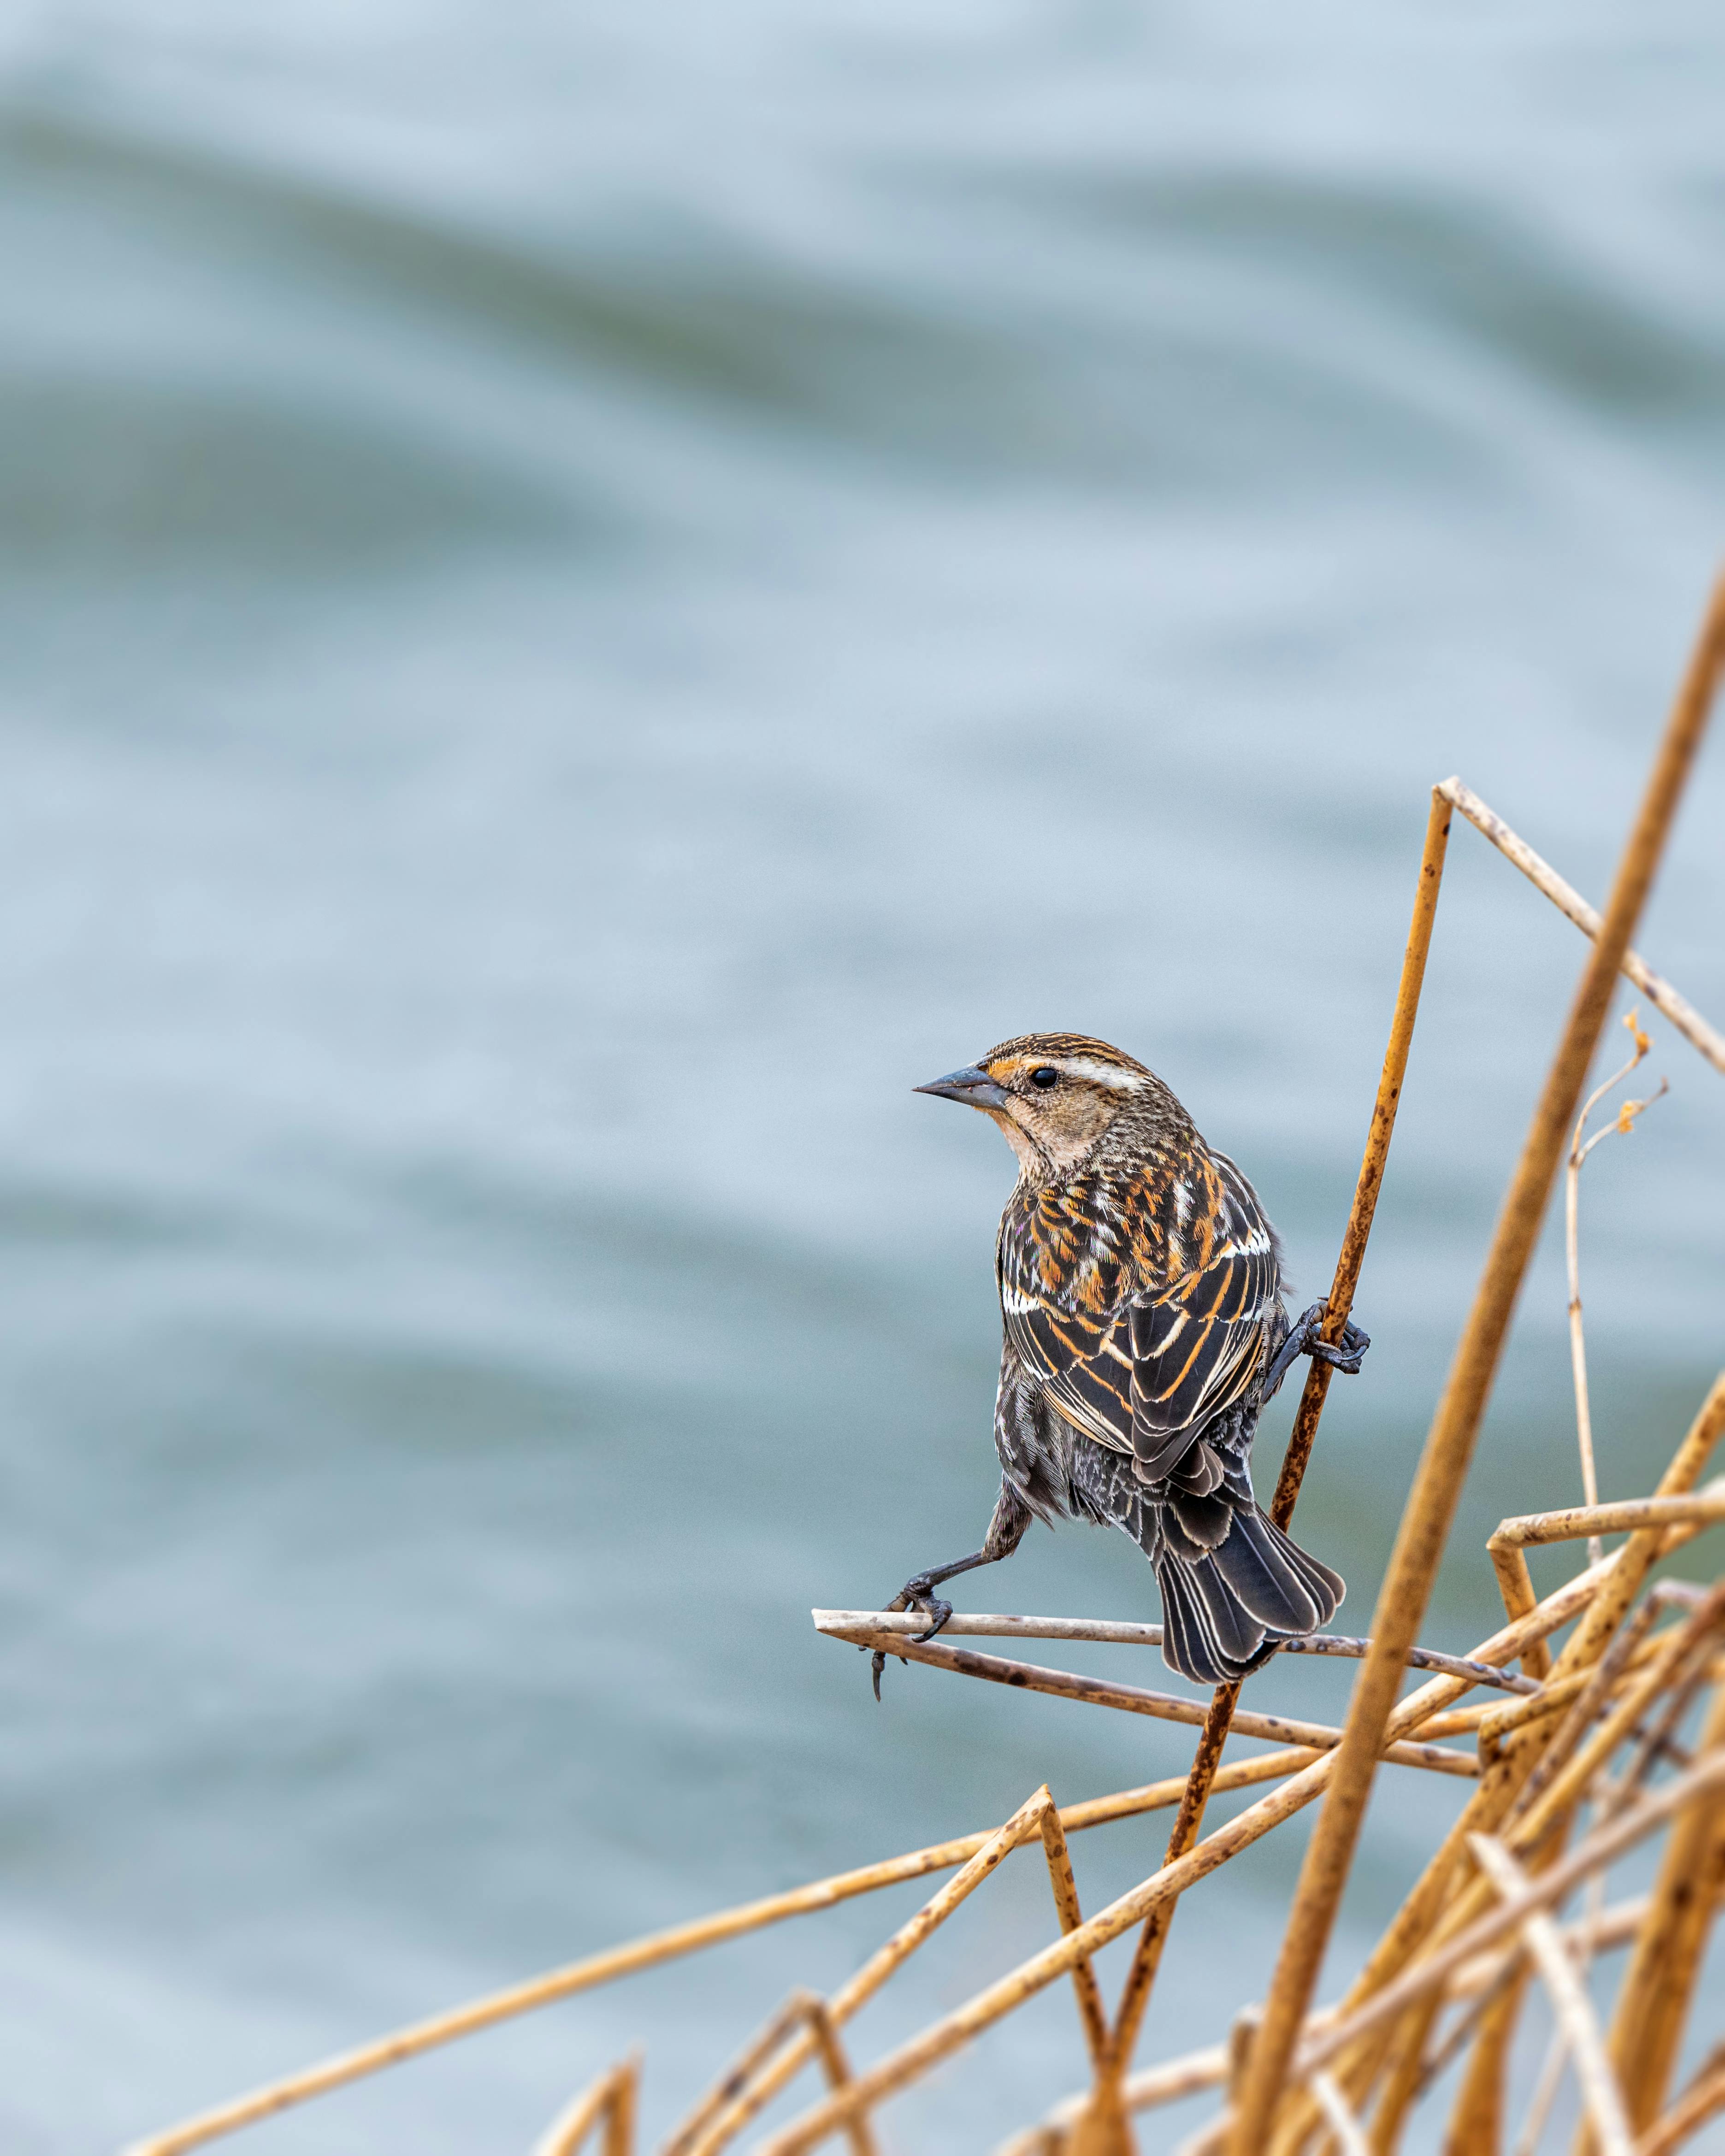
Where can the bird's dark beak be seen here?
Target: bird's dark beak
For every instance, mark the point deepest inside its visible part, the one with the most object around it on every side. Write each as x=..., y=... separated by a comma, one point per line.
x=972, y=1085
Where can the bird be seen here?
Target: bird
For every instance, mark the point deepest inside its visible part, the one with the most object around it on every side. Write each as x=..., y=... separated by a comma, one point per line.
x=1143, y=1329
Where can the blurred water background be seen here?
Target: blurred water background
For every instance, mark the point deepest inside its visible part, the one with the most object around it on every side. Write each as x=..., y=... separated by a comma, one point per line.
x=589, y=595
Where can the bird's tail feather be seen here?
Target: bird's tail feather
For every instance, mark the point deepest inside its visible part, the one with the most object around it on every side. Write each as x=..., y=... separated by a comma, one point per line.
x=1206, y=1635
x=1286, y=1589
x=1227, y=1608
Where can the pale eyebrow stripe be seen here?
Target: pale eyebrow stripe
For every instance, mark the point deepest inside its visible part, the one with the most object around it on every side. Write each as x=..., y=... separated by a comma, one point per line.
x=1099, y=1073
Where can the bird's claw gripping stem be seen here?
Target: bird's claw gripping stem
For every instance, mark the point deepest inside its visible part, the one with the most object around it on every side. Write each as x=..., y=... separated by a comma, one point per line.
x=917, y=1593
x=1304, y=1338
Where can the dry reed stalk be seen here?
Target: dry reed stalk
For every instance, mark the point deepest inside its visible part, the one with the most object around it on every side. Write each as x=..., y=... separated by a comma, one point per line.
x=1437, y=1487
x=926, y=2051
x=1189, y=2075
x=1569, y=2002
x=1170, y=2082
x=1135, y=1995
x=938, y=2042
x=1655, y=1517
x=1663, y=998
x=1350, y=2134
x=1414, y=1985
x=805, y=2011
x=1556, y=2055
x=1647, y=1545
x=1134, y=1699
x=785, y=2021
x=1610, y=1584
x=742, y=2096
x=1530, y=1808
x=1477, y=1982
x=1424, y=1906
x=1656, y=1739
x=1473, y=1984
x=840, y=1624
x=1703, y=2100
x=1506, y=1789
x=1540, y=1809
x=1519, y=1597
x=748, y=2087
x=1499, y=1723
x=1602, y=1847
x=1615, y=1926
x=1010, y=1991
x=1091, y=2012
x=1540, y=1756
x=1558, y=1783
x=612, y=2098
x=659, y=1947
x=837, y=2067
x=1578, y=1152
x=1618, y=1579
x=1704, y=1508
x=1647, y=2025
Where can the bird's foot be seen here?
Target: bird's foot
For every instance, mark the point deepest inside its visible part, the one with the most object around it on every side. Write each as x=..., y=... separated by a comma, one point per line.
x=1304, y=1338
x=1348, y=1354
x=919, y=1595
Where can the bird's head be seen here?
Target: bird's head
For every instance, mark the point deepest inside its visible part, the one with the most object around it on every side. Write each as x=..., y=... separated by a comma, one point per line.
x=1053, y=1094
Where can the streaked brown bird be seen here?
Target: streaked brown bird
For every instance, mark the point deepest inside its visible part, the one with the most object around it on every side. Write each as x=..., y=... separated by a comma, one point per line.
x=1141, y=1289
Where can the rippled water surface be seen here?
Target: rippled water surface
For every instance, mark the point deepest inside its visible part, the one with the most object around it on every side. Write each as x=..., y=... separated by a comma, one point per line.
x=588, y=595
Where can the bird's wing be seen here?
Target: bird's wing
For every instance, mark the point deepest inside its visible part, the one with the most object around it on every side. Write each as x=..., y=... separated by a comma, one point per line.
x=1062, y=1283
x=1141, y=1308
x=1197, y=1344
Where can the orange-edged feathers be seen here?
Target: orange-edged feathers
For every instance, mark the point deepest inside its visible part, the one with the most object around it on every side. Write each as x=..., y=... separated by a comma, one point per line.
x=1143, y=1295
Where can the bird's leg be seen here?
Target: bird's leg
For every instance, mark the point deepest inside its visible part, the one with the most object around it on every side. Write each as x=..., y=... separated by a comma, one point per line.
x=1303, y=1340
x=1006, y=1531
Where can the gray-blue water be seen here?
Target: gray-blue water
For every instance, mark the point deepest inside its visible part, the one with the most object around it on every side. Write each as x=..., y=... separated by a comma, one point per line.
x=589, y=595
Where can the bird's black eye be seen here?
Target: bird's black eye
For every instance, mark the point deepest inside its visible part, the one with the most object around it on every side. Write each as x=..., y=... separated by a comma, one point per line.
x=1045, y=1076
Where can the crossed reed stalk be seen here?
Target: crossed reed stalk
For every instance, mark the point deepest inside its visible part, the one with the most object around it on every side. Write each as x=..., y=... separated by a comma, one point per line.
x=1565, y=1769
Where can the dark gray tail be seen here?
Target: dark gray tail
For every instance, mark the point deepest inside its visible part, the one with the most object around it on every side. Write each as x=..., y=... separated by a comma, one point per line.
x=1228, y=1600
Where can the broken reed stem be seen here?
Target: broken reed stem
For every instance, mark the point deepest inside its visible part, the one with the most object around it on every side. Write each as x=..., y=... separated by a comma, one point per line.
x=1663, y=998
x=1092, y=2014
x=753, y=2083
x=1449, y=1449
x=611, y=2097
x=1135, y=1995
x=1570, y=1522
x=744, y=2096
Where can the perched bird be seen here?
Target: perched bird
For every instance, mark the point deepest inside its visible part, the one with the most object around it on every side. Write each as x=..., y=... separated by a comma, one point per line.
x=1141, y=1289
